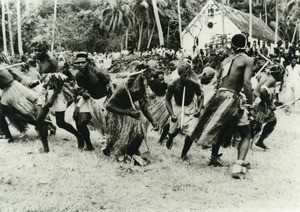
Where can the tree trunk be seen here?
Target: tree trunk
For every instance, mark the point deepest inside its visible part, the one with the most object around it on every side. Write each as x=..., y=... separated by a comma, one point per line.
x=266, y=12
x=179, y=23
x=3, y=28
x=10, y=30
x=168, y=34
x=19, y=28
x=150, y=37
x=250, y=21
x=140, y=35
x=126, y=38
x=158, y=24
x=54, y=22
x=276, y=26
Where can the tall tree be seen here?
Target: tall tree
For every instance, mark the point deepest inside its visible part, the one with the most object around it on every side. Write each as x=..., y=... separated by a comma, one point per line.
x=158, y=24
x=117, y=18
x=54, y=25
x=277, y=20
x=3, y=27
x=141, y=10
x=19, y=27
x=179, y=22
x=12, y=52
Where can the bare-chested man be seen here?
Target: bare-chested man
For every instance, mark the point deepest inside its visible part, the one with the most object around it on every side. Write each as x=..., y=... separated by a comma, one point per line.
x=223, y=113
x=263, y=110
x=183, y=89
x=95, y=86
x=125, y=122
x=52, y=96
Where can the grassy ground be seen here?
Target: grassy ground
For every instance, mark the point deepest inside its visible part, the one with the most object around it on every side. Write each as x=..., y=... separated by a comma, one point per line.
x=67, y=179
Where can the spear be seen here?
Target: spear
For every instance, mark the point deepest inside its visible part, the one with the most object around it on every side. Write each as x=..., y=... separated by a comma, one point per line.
x=182, y=108
x=12, y=66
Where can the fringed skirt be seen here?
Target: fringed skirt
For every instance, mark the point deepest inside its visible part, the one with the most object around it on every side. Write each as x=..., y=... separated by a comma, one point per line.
x=159, y=111
x=219, y=119
x=97, y=110
x=125, y=134
x=21, y=102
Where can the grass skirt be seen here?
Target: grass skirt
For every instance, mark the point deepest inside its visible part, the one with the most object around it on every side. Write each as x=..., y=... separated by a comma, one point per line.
x=125, y=134
x=21, y=102
x=159, y=111
x=219, y=120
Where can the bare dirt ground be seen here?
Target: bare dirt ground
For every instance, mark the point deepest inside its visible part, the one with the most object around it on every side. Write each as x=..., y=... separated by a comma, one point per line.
x=67, y=179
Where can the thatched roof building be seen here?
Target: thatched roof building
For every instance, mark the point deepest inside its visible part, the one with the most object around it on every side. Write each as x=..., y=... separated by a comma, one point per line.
x=216, y=20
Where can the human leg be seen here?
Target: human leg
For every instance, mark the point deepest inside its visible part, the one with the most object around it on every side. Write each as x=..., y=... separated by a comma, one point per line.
x=186, y=147
x=169, y=143
x=81, y=125
x=267, y=130
x=60, y=121
x=42, y=128
x=4, y=125
x=240, y=166
x=164, y=133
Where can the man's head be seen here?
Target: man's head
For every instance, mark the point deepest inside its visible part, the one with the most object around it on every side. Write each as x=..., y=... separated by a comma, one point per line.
x=294, y=62
x=41, y=49
x=159, y=76
x=81, y=60
x=207, y=75
x=239, y=42
x=184, y=71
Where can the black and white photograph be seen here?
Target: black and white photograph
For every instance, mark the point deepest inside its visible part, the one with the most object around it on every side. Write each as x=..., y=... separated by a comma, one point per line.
x=150, y=105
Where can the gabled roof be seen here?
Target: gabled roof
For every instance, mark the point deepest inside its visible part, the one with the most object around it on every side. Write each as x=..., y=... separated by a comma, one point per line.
x=260, y=30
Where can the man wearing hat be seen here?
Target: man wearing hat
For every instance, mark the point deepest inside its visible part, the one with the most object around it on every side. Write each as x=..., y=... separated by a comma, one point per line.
x=94, y=86
x=223, y=114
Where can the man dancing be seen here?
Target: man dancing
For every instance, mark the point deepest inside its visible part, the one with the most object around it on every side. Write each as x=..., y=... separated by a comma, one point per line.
x=17, y=100
x=95, y=86
x=54, y=96
x=185, y=111
x=125, y=125
x=223, y=113
x=263, y=111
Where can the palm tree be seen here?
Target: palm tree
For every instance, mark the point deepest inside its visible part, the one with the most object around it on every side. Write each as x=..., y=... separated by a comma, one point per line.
x=116, y=18
x=54, y=22
x=158, y=24
x=10, y=30
x=19, y=28
x=141, y=11
x=179, y=22
x=3, y=28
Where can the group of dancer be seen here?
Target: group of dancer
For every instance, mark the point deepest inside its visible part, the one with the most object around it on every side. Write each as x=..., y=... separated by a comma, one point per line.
x=123, y=112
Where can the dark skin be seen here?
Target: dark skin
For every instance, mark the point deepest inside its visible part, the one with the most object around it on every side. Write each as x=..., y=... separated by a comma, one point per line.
x=176, y=89
x=119, y=102
x=269, y=81
x=158, y=86
x=6, y=77
x=94, y=83
x=48, y=64
x=239, y=77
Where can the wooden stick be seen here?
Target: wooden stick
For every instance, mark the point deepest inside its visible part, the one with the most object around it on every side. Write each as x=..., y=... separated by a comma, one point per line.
x=262, y=68
x=288, y=104
x=12, y=66
x=182, y=107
